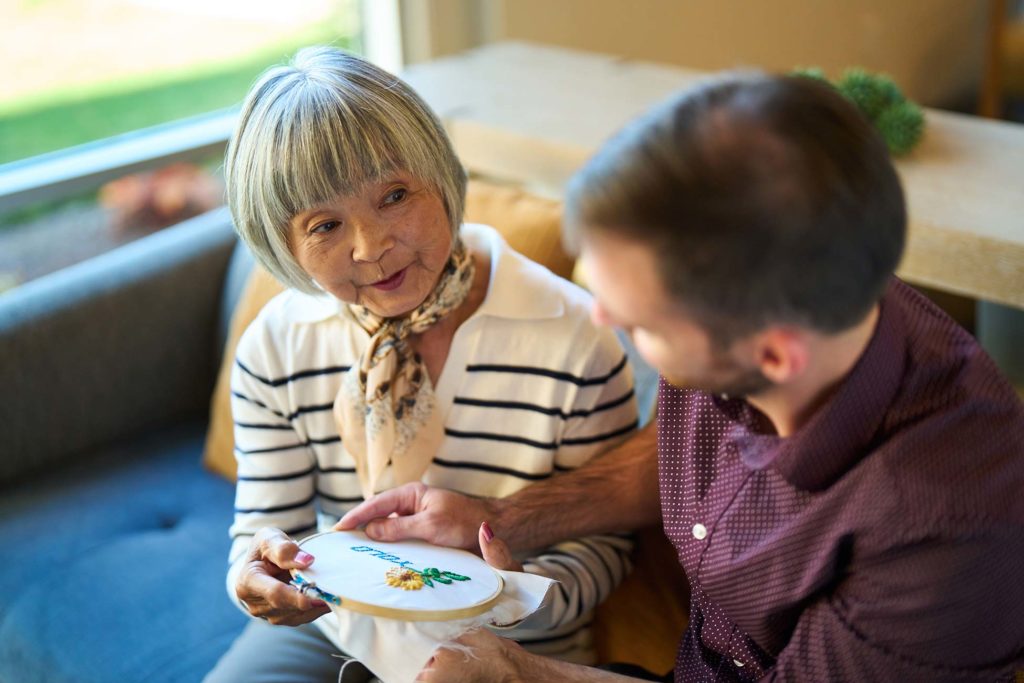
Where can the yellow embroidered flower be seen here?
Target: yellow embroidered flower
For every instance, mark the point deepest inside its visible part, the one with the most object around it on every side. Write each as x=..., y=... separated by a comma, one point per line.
x=406, y=579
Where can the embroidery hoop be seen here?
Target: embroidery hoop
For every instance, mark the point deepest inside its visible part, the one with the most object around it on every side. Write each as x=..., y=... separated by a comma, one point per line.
x=341, y=583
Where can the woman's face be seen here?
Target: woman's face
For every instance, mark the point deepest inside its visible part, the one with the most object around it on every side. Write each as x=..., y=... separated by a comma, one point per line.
x=383, y=247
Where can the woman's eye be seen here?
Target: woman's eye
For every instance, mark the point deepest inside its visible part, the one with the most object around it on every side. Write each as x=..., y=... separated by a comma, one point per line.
x=324, y=227
x=396, y=196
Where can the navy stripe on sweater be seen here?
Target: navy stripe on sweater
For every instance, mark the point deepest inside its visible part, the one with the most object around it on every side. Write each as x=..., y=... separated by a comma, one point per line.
x=314, y=372
x=554, y=374
x=518, y=405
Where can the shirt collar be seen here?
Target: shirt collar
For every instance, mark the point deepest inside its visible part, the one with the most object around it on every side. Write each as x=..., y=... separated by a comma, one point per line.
x=517, y=289
x=839, y=434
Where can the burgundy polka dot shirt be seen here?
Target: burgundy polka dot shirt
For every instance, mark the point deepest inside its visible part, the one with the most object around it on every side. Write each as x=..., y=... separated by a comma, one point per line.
x=882, y=542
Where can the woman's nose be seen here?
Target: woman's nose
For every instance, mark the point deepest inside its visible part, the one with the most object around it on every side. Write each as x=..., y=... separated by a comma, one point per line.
x=370, y=243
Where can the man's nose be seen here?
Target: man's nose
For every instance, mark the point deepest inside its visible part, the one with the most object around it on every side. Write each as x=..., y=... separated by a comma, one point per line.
x=598, y=315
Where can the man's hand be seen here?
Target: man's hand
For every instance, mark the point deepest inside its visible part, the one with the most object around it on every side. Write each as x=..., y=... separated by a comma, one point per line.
x=497, y=659
x=438, y=516
x=615, y=492
x=493, y=659
x=263, y=587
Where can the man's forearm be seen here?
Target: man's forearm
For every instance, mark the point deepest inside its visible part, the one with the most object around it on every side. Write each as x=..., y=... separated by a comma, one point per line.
x=616, y=492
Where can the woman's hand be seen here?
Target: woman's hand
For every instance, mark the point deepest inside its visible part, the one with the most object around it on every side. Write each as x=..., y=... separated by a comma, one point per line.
x=263, y=586
x=495, y=551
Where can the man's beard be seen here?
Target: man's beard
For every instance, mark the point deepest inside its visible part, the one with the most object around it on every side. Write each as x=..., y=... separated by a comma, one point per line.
x=747, y=383
x=727, y=377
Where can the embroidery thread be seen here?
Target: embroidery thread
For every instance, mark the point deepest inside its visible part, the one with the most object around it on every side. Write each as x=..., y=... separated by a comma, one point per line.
x=403, y=575
x=406, y=579
x=307, y=587
x=412, y=579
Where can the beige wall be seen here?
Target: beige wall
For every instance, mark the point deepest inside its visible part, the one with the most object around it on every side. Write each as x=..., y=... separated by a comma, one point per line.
x=932, y=47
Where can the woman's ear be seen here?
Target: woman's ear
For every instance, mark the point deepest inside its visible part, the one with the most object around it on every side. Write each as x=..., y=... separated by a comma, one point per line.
x=782, y=353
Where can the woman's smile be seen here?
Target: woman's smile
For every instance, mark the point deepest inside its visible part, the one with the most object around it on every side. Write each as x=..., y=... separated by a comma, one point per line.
x=393, y=282
x=353, y=244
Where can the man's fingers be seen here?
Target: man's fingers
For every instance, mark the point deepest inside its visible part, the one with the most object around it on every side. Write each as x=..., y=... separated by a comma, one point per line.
x=402, y=500
x=495, y=551
x=398, y=529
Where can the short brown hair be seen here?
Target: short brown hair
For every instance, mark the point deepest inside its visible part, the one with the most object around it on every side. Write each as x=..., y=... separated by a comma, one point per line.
x=766, y=199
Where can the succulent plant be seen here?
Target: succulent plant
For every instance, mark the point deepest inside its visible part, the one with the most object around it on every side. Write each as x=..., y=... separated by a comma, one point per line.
x=898, y=120
x=902, y=126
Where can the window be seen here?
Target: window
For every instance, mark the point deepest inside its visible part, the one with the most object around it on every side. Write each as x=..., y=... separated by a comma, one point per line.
x=107, y=82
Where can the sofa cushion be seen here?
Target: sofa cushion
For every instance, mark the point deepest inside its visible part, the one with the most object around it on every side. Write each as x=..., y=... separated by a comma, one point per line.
x=530, y=224
x=219, y=451
x=114, y=569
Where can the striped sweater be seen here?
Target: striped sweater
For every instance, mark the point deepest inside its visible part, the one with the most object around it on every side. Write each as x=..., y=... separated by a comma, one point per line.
x=530, y=388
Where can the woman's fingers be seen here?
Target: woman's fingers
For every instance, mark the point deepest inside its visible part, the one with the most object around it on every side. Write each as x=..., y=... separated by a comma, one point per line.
x=264, y=592
x=275, y=547
x=495, y=552
x=263, y=585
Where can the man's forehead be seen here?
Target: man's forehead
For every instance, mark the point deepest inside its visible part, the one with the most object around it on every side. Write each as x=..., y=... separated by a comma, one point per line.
x=623, y=275
x=621, y=255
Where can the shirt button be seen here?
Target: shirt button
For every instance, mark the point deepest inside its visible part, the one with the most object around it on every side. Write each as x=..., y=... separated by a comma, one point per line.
x=699, y=532
x=737, y=662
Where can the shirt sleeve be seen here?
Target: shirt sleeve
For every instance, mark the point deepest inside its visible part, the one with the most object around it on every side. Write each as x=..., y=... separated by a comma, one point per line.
x=923, y=613
x=276, y=484
x=604, y=415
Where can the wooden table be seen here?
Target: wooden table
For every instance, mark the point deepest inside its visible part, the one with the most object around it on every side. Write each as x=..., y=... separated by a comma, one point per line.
x=533, y=114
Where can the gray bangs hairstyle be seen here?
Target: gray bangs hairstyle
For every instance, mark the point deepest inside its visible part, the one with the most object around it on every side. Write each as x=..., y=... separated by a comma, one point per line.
x=322, y=126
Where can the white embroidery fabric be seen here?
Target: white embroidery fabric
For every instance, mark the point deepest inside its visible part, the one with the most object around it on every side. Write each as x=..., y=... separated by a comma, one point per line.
x=396, y=651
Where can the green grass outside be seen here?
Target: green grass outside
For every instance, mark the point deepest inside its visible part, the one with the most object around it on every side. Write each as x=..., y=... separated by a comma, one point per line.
x=47, y=124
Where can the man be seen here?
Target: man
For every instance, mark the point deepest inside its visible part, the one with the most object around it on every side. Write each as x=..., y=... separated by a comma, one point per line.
x=840, y=466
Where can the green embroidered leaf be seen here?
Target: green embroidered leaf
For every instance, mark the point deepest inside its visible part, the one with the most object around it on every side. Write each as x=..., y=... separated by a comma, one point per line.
x=432, y=574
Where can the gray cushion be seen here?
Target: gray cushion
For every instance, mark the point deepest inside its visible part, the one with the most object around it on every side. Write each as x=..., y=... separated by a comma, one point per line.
x=238, y=274
x=111, y=347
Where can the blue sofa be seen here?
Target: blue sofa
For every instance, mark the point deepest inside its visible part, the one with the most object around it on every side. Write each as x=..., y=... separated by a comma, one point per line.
x=114, y=536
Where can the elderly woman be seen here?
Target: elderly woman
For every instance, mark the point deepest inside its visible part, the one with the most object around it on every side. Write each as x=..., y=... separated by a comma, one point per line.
x=409, y=347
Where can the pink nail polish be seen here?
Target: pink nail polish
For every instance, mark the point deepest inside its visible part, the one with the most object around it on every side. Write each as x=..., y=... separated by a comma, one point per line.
x=304, y=558
x=488, y=534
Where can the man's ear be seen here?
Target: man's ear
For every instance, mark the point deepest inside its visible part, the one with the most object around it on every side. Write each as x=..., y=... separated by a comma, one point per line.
x=782, y=353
